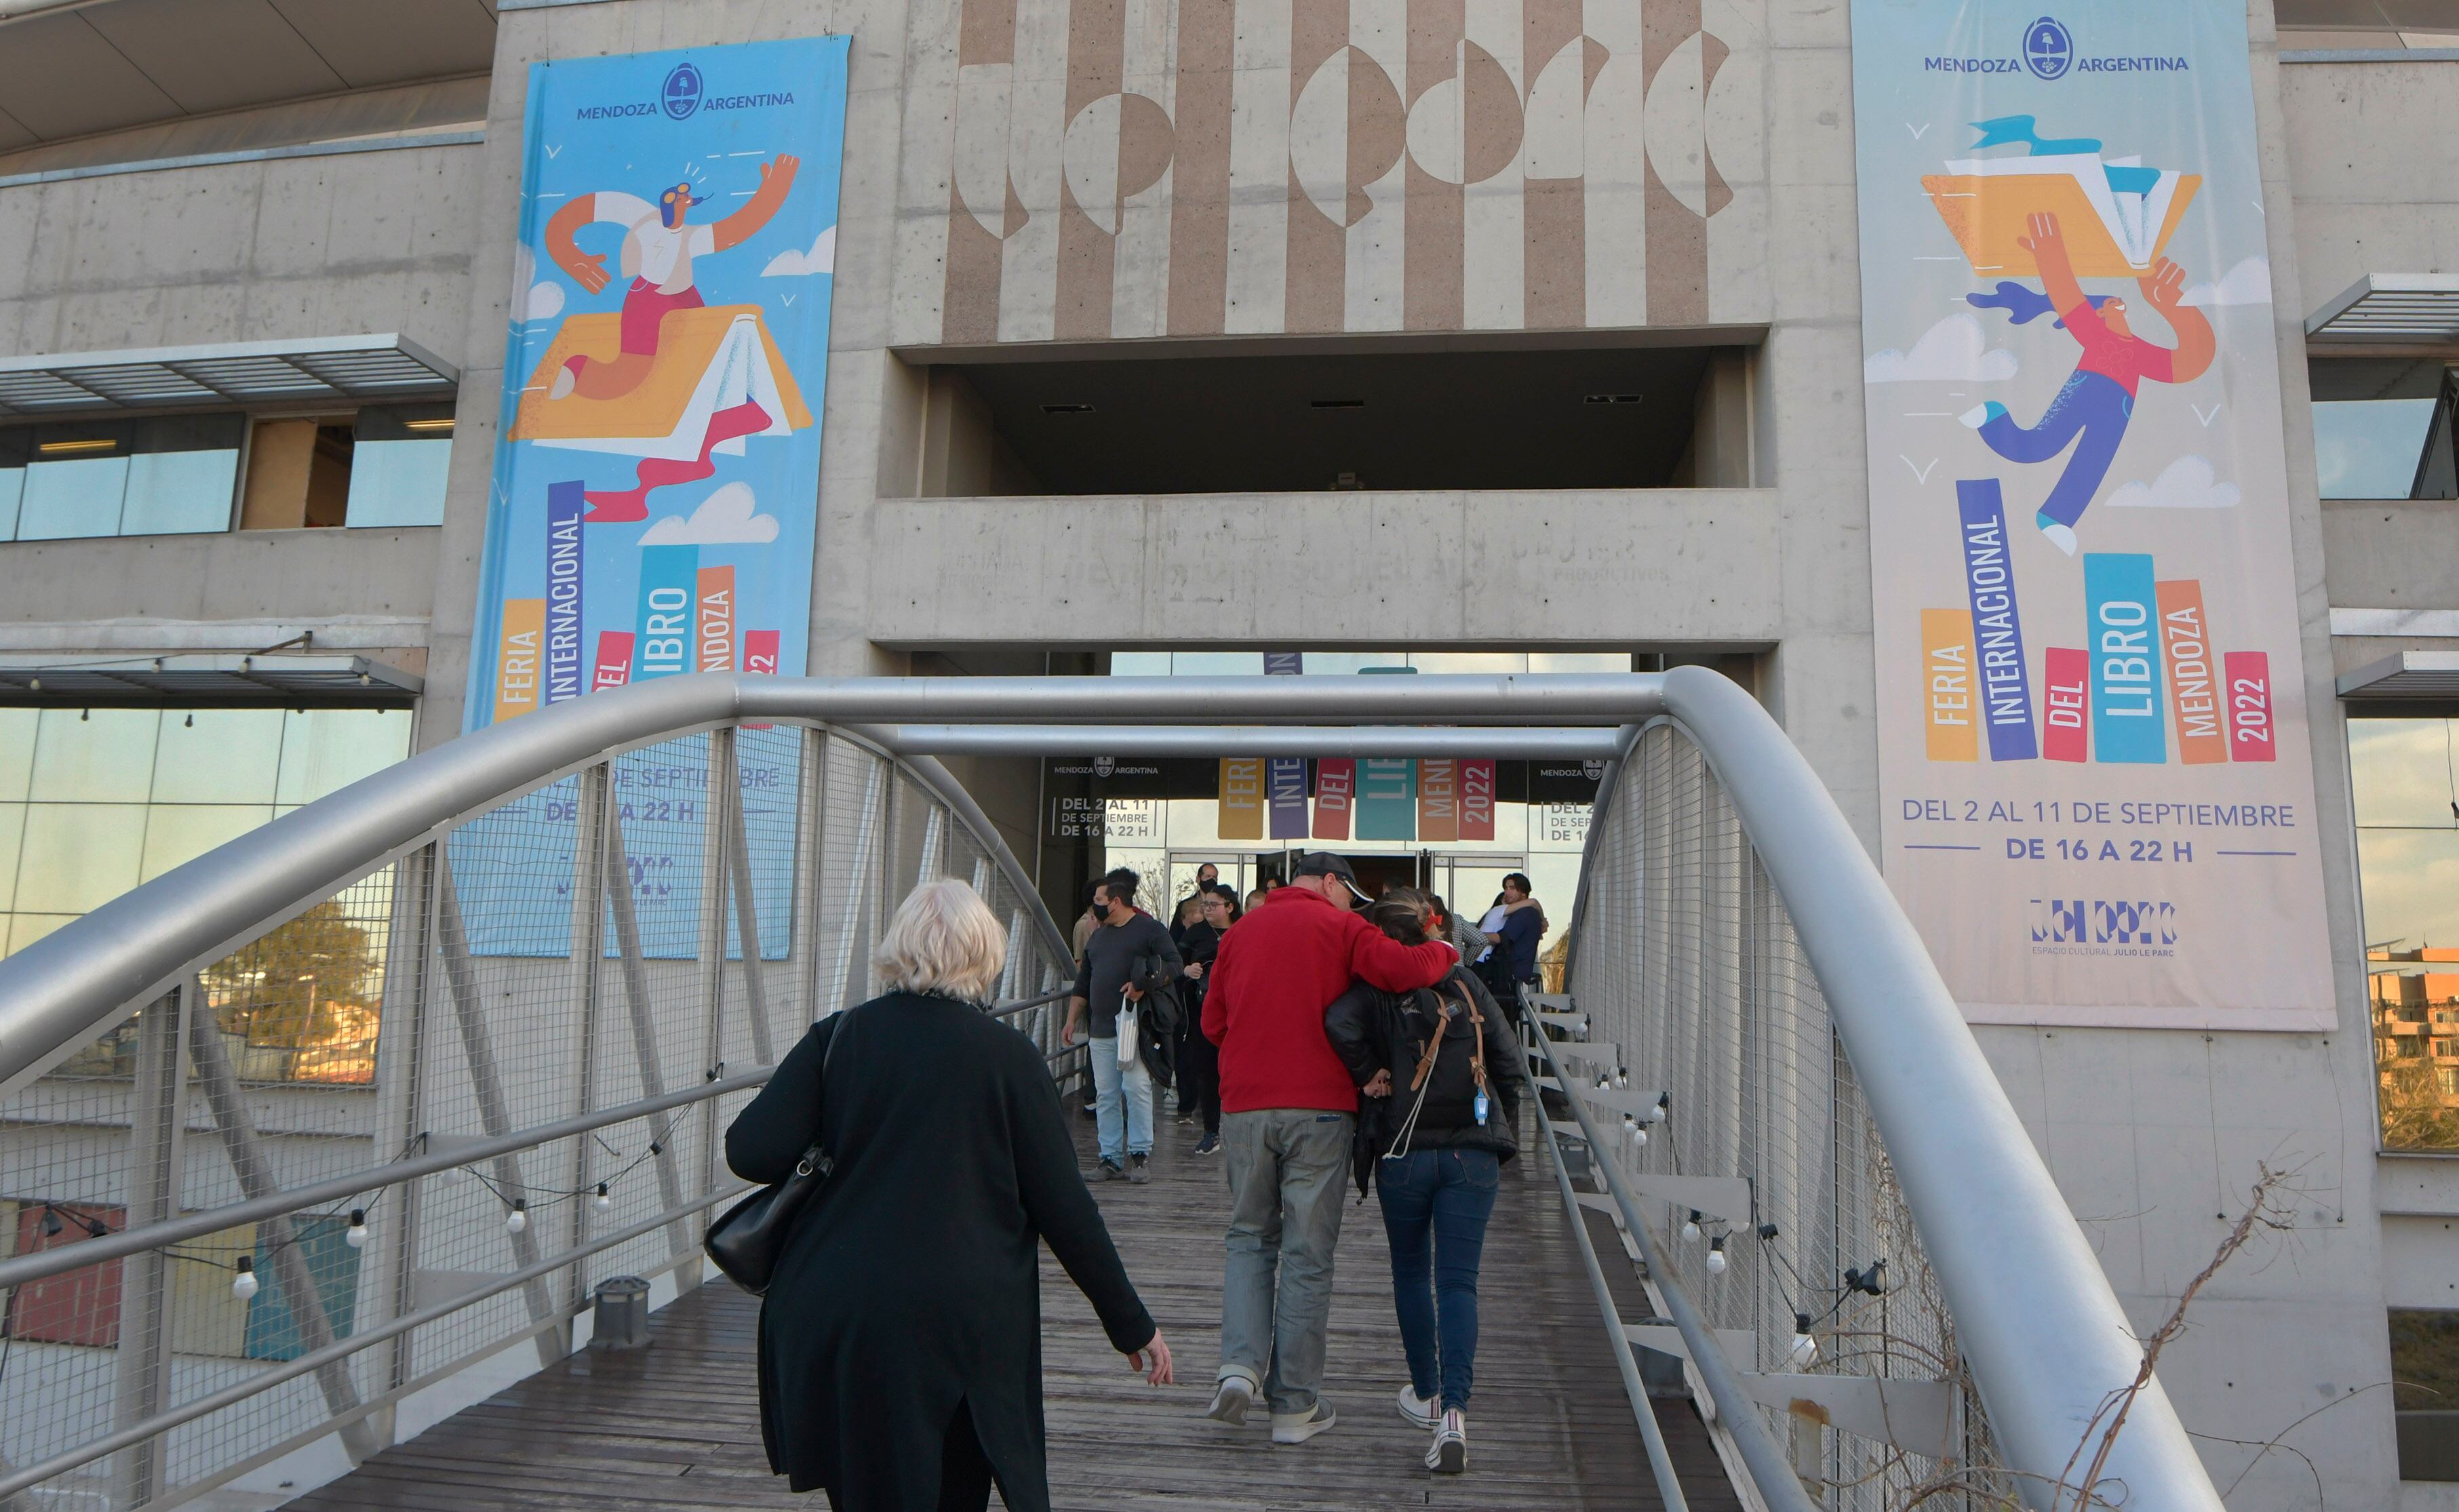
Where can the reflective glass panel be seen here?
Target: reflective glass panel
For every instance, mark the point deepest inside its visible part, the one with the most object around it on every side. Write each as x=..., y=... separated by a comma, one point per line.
x=14, y=446
x=16, y=751
x=2403, y=779
x=180, y=493
x=72, y=497
x=95, y=756
x=398, y=482
x=2368, y=449
x=12, y=829
x=2405, y=771
x=219, y=756
x=323, y=750
x=178, y=833
x=77, y=857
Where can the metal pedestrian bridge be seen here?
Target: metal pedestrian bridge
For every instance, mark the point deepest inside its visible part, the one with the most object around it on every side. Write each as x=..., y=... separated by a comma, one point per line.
x=313, y=1150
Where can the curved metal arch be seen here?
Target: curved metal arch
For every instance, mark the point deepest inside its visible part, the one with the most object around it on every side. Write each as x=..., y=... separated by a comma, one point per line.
x=2047, y=1339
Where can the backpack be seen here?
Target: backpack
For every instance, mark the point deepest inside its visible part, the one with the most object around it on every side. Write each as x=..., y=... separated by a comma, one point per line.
x=1449, y=1075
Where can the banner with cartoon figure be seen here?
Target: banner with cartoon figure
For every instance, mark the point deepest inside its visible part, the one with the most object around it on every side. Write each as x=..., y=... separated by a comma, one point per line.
x=656, y=490
x=2098, y=806
x=657, y=471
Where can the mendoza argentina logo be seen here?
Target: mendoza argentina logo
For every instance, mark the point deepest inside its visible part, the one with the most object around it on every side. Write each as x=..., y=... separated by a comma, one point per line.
x=683, y=95
x=2047, y=50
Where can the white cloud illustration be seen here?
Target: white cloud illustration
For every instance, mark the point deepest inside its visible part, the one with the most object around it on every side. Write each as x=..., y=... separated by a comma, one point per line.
x=545, y=301
x=533, y=300
x=1954, y=350
x=821, y=259
x=2186, y=483
x=2249, y=282
x=725, y=517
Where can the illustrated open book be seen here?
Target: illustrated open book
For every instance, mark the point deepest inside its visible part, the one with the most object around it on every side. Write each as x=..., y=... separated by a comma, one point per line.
x=2115, y=215
x=708, y=360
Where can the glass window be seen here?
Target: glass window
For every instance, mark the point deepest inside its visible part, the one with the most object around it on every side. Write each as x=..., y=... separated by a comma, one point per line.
x=94, y=755
x=178, y=833
x=16, y=445
x=77, y=857
x=399, y=465
x=324, y=751
x=2404, y=776
x=220, y=756
x=16, y=751
x=2369, y=448
x=76, y=479
x=182, y=478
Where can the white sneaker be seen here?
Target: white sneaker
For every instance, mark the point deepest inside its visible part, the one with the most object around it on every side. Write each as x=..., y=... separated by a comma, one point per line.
x=1296, y=1428
x=2061, y=536
x=1448, y=1455
x=1232, y=1395
x=1421, y=1411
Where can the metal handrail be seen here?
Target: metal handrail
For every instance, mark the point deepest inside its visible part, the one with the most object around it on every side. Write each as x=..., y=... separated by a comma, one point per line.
x=2035, y=1316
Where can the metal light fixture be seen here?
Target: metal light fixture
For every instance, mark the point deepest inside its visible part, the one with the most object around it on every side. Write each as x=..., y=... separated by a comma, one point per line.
x=243, y=1285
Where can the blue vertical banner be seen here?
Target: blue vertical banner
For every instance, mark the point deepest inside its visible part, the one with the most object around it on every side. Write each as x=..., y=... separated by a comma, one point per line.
x=564, y=599
x=666, y=354
x=1997, y=628
x=1387, y=798
x=1285, y=796
x=669, y=585
x=2122, y=617
x=2070, y=376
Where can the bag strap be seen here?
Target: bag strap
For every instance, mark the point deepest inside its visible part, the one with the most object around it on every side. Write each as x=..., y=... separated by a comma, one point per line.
x=817, y=1157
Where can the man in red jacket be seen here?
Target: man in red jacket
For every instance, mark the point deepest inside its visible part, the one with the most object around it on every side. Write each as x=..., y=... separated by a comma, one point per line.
x=1288, y=1108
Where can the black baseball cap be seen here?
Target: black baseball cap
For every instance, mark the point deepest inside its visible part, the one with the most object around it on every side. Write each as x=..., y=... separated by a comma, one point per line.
x=1324, y=863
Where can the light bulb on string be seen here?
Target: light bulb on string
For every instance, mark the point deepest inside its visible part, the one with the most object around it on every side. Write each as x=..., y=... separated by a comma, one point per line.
x=1716, y=1255
x=603, y=1201
x=244, y=1284
x=1621, y=1077
x=357, y=1232
x=1663, y=1106
x=1805, y=1349
x=1691, y=1228
x=518, y=1218
x=1630, y=1127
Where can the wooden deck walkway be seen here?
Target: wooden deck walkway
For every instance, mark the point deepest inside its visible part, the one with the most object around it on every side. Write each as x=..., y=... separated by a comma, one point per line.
x=675, y=1427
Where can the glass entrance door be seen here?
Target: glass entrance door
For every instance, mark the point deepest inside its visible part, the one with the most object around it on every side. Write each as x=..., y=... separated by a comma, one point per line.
x=1469, y=879
x=1236, y=871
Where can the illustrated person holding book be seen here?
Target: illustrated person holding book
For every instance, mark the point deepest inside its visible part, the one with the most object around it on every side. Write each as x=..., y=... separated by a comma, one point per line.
x=2092, y=409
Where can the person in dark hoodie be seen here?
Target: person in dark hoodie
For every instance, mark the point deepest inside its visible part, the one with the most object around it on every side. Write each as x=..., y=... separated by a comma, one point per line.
x=1440, y=1081
x=1129, y=964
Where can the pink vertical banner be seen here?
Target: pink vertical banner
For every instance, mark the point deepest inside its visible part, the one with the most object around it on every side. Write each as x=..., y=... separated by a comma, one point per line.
x=2249, y=707
x=2066, y=706
x=1335, y=787
x=614, y=666
x=1477, y=800
x=760, y=652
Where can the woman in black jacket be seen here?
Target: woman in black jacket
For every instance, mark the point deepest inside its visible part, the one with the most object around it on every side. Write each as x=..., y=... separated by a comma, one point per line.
x=1439, y=1076
x=1199, y=1060
x=900, y=1341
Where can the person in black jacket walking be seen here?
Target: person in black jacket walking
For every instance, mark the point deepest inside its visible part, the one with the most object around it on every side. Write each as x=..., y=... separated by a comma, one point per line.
x=900, y=1339
x=1441, y=1080
x=1199, y=1059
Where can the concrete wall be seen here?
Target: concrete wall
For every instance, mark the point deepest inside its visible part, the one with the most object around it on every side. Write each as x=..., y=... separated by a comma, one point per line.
x=2377, y=188
x=2394, y=555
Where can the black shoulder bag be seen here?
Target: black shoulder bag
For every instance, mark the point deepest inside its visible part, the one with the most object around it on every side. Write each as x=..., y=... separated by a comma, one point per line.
x=747, y=1239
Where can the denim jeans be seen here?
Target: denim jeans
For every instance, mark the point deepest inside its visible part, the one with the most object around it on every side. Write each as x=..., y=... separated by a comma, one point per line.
x=1286, y=1169
x=1436, y=1202
x=1122, y=1103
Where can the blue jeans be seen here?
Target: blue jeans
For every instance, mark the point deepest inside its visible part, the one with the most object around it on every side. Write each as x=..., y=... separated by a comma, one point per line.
x=1120, y=1099
x=2092, y=406
x=1436, y=1202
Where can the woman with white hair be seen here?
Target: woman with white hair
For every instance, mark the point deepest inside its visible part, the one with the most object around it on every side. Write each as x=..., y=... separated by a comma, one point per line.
x=900, y=1339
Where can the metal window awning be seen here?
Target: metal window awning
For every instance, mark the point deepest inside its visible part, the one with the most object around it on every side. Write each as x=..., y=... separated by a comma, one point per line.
x=291, y=370
x=2407, y=676
x=2399, y=309
x=206, y=679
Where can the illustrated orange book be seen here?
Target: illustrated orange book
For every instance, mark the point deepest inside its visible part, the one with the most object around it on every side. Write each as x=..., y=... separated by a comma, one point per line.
x=1986, y=213
x=693, y=345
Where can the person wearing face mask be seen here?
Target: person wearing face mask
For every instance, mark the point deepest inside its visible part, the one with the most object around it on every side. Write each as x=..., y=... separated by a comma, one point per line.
x=1199, y=1060
x=1129, y=963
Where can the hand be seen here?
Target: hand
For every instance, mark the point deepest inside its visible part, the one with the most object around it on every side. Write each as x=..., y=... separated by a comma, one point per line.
x=1153, y=1360
x=2042, y=231
x=779, y=173
x=589, y=271
x=1380, y=1084
x=1132, y=992
x=1194, y=971
x=1067, y=1033
x=2165, y=287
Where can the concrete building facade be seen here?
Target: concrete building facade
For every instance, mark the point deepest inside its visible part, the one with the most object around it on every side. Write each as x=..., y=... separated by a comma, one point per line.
x=1193, y=212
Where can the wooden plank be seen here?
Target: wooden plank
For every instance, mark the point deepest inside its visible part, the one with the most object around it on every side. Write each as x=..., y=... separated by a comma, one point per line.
x=1550, y=1427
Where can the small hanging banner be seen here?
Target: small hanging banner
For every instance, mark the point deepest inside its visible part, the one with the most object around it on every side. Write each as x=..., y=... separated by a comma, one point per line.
x=1242, y=798
x=1477, y=800
x=1387, y=799
x=1285, y=792
x=1438, y=799
x=1335, y=790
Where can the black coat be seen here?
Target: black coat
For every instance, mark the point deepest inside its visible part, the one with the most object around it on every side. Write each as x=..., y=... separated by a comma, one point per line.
x=913, y=1283
x=1371, y=1030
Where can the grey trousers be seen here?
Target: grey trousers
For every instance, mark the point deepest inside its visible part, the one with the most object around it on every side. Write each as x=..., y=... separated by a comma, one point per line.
x=1286, y=1171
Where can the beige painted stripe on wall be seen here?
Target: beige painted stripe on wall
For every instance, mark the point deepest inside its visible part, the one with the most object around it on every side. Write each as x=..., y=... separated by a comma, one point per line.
x=1616, y=224
x=1318, y=252
x=1036, y=125
x=1493, y=256
x=1552, y=157
x=1377, y=262
x=1736, y=132
x=1432, y=170
x=1677, y=237
x=1139, y=285
x=968, y=301
x=1199, y=170
x=1255, y=277
x=1089, y=249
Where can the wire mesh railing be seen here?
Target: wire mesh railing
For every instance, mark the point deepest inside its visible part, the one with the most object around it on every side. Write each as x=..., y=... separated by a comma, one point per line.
x=1725, y=1100
x=411, y=1124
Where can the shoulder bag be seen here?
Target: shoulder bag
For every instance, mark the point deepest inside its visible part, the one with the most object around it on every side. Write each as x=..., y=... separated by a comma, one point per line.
x=749, y=1238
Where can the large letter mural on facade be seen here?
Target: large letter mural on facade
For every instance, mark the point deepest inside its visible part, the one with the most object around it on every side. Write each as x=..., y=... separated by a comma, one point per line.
x=2079, y=527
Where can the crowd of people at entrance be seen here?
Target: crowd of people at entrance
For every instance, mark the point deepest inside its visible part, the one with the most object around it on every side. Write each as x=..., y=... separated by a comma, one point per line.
x=1320, y=1037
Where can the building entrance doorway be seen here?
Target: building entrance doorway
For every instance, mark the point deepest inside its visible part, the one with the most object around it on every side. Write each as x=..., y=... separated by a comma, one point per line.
x=1236, y=871
x=1469, y=879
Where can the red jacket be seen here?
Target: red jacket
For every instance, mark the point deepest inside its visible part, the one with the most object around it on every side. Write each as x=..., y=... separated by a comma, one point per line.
x=1278, y=969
